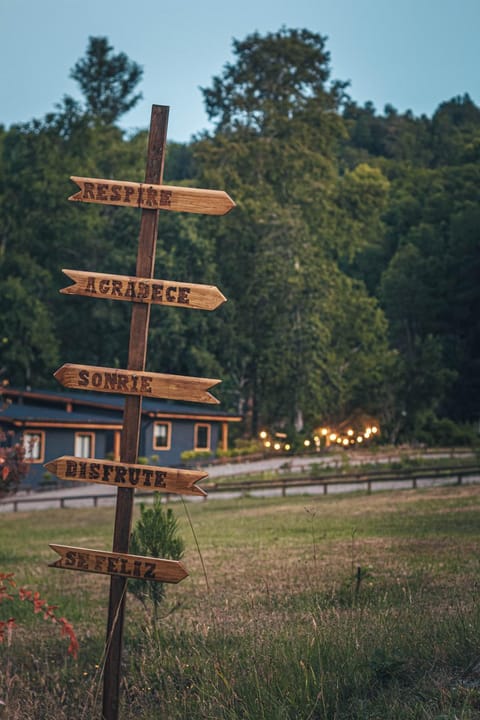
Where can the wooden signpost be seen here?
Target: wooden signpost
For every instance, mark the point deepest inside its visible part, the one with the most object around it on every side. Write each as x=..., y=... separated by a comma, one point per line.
x=142, y=477
x=129, y=382
x=109, y=563
x=142, y=290
x=152, y=197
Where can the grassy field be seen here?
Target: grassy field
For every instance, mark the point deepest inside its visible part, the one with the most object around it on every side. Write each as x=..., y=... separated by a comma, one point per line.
x=331, y=608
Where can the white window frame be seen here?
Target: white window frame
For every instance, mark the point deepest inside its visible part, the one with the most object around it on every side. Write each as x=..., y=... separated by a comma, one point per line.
x=168, y=438
x=34, y=451
x=80, y=438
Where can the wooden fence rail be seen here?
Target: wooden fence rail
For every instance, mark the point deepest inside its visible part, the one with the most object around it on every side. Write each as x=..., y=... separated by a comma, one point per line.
x=357, y=478
x=366, y=479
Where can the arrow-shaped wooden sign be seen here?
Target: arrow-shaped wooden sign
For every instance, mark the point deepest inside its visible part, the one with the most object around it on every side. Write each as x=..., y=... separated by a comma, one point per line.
x=142, y=477
x=152, y=197
x=143, y=290
x=110, y=563
x=133, y=382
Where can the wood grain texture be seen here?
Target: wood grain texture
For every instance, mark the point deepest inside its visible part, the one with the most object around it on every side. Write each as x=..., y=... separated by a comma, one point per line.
x=136, y=382
x=117, y=474
x=121, y=564
x=152, y=197
x=143, y=290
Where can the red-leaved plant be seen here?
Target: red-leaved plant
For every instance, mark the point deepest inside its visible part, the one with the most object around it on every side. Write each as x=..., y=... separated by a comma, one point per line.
x=7, y=586
x=13, y=468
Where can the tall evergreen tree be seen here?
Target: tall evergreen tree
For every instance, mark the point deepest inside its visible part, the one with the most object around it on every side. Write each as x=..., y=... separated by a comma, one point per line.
x=107, y=80
x=275, y=149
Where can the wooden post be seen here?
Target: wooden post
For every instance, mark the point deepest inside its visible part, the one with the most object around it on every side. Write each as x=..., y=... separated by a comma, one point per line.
x=134, y=382
x=140, y=319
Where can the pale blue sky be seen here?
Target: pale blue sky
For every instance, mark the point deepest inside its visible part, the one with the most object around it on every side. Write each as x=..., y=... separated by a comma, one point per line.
x=412, y=54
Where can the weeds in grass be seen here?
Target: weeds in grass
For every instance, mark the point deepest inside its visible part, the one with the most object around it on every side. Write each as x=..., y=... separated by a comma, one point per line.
x=333, y=664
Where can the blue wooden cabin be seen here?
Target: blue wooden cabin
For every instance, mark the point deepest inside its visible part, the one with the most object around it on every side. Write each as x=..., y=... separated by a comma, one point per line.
x=51, y=424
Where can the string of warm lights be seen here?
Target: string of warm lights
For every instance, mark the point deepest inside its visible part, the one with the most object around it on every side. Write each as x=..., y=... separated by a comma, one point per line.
x=276, y=442
x=350, y=437
x=324, y=438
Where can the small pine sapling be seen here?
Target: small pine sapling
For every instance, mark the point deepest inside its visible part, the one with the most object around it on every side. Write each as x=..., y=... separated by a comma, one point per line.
x=155, y=535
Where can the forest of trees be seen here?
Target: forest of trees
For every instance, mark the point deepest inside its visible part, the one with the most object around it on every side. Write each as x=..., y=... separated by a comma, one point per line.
x=351, y=263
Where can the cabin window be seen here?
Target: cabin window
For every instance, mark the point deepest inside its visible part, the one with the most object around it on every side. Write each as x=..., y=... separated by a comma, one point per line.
x=162, y=432
x=202, y=436
x=34, y=445
x=84, y=445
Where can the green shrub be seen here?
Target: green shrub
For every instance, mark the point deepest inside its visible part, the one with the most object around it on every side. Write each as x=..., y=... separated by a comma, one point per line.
x=187, y=455
x=444, y=432
x=242, y=447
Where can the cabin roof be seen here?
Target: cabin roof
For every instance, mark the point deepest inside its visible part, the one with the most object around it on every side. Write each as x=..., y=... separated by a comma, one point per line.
x=74, y=407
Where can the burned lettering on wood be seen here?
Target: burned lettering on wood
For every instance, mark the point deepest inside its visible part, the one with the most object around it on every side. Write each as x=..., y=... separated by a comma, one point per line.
x=117, y=474
x=152, y=197
x=110, y=563
x=149, y=196
x=115, y=381
x=130, y=382
x=143, y=290
x=139, y=290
